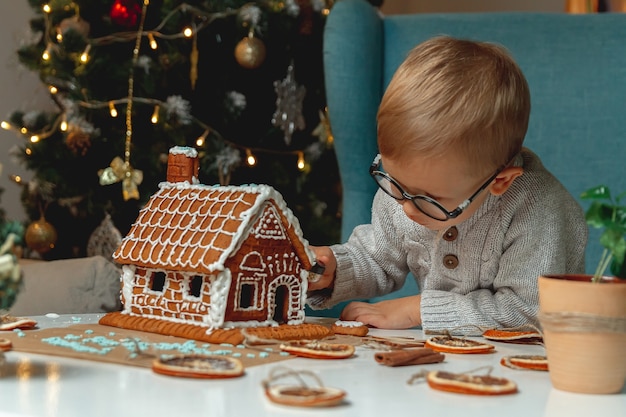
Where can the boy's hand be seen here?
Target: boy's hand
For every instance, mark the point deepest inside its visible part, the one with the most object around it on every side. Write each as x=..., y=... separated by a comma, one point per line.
x=325, y=257
x=400, y=313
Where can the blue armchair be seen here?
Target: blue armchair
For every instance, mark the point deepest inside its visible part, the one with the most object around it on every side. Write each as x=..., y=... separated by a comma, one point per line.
x=575, y=65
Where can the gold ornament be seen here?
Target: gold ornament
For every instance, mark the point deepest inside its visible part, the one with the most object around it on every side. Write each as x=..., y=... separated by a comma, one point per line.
x=121, y=171
x=40, y=236
x=78, y=142
x=193, y=61
x=323, y=130
x=250, y=52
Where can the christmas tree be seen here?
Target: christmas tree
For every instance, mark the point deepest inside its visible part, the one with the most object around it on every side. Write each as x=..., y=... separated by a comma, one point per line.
x=240, y=81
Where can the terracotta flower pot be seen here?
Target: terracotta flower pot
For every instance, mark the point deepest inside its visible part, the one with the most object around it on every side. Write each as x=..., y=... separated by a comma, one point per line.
x=584, y=329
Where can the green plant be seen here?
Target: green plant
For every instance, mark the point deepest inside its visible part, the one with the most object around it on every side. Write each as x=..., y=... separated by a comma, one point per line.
x=606, y=213
x=10, y=274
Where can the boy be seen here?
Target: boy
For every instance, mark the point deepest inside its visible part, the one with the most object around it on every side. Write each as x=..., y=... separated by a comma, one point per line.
x=473, y=215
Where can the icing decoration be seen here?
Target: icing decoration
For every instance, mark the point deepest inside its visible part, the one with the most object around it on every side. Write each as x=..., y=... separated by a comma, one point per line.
x=214, y=256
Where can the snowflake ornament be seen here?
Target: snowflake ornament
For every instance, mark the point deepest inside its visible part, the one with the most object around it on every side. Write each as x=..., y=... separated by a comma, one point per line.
x=289, y=97
x=104, y=240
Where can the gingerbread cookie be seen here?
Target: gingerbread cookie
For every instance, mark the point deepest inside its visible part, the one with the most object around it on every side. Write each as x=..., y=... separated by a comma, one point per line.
x=353, y=328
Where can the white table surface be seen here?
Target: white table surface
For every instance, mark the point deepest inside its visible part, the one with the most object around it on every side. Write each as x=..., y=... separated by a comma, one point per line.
x=41, y=385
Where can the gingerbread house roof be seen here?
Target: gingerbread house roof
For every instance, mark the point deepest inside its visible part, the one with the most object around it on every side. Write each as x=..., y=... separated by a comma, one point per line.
x=194, y=227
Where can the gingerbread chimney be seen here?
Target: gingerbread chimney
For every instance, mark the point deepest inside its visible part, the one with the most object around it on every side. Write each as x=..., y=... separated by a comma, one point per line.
x=183, y=165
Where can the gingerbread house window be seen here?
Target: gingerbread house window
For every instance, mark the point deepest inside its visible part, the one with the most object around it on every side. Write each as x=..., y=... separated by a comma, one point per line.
x=249, y=290
x=247, y=296
x=157, y=281
x=252, y=262
x=195, y=285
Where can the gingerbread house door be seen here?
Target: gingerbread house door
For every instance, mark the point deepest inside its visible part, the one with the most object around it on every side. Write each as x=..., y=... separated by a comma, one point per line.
x=281, y=304
x=285, y=299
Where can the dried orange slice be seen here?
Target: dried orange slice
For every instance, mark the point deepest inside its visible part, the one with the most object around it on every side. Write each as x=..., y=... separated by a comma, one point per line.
x=300, y=393
x=470, y=384
x=5, y=344
x=449, y=344
x=511, y=336
x=305, y=396
x=318, y=350
x=11, y=323
x=198, y=366
x=532, y=362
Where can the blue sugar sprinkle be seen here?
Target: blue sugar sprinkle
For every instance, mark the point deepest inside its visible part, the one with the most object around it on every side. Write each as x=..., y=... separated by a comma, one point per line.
x=263, y=354
x=284, y=353
x=101, y=340
x=134, y=345
x=78, y=347
x=104, y=345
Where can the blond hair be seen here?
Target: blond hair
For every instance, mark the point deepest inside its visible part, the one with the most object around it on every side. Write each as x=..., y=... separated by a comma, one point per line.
x=454, y=95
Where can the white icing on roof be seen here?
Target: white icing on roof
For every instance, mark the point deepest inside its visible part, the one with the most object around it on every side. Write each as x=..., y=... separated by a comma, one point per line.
x=195, y=227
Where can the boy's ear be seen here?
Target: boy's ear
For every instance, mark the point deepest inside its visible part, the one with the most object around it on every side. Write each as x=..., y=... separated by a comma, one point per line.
x=504, y=180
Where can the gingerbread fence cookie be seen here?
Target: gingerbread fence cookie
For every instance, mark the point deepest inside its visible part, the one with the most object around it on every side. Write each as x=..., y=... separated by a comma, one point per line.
x=352, y=328
x=449, y=344
x=199, y=366
x=318, y=350
x=300, y=393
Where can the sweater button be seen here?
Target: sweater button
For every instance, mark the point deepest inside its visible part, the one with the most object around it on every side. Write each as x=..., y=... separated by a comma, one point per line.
x=451, y=234
x=450, y=261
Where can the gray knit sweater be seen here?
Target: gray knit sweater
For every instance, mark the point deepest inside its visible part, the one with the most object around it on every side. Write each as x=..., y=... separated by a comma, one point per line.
x=485, y=272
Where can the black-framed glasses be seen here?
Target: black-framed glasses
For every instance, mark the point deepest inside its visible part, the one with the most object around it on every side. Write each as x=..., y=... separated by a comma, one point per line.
x=429, y=206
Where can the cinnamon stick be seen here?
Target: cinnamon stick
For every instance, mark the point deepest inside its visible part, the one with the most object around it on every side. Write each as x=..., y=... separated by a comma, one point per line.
x=409, y=357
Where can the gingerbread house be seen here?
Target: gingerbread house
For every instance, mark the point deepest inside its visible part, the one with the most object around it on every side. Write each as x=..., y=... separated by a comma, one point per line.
x=214, y=256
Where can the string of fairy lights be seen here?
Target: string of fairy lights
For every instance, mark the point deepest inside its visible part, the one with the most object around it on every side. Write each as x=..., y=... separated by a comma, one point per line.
x=120, y=168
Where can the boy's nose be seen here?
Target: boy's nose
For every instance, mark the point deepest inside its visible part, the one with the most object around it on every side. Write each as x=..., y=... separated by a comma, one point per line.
x=411, y=211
